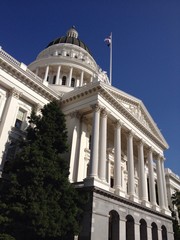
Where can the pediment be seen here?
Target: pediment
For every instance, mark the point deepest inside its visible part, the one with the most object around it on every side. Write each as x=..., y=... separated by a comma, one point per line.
x=137, y=111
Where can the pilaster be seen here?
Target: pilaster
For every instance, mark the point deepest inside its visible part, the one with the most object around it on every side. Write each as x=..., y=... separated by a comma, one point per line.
x=8, y=118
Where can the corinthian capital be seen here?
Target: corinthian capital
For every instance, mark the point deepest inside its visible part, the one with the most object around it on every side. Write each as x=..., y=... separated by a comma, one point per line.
x=118, y=124
x=14, y=93
x=96, y=107
x=104, y=113
x=75, y=114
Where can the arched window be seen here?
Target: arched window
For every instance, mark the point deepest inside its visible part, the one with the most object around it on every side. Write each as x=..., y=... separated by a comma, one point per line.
x=64, y=80
x=72, y=82
x=154, y=231
x=143, y=230
x=54, y=80
x=113, y=225
x=164, y=232
x=130, y=228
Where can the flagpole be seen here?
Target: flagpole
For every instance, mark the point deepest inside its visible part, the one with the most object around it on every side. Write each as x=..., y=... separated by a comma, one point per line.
x=110, y=70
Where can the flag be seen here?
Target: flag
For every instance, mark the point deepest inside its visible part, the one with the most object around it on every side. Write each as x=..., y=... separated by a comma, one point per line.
x=108, y=40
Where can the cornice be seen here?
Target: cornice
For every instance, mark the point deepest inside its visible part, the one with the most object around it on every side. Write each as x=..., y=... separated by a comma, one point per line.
x=24, y=75
x=134, y=120
x=120, y=199
x=99, y=88
x=80, y=92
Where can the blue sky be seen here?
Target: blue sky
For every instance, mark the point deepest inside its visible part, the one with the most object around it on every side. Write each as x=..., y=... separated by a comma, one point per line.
x=146, y=48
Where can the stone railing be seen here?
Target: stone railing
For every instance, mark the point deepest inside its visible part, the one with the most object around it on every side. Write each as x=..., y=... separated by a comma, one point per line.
x=169, y=171
x=34, y=75
x=9, y=57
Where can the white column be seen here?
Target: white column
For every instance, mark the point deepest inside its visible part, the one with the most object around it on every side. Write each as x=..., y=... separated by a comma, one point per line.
x=95, y=142
x=82, y=78
x=75, y=143
x=159, y=232
x=70, y=77
x=82, y=166
x=149, y=232
x=130, y=161
x=122, y=228
x=8, y=119
x=46, y=73
x=137, y=230
x=164, y=183
x=117, y=156
x=103, y=146
x=142, y=178
x=151, y=178
x=58, y=74
x=160, y=184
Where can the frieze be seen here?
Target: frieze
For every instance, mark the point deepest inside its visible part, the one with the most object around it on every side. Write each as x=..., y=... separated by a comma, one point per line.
x=145, y=123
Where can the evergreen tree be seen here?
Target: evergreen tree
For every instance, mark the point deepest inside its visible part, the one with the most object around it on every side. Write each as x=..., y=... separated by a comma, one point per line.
x=176, y=201
x=37, y=200
x=176, y=226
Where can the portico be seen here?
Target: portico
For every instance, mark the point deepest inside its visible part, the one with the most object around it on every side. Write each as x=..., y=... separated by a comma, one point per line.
x=137, y=162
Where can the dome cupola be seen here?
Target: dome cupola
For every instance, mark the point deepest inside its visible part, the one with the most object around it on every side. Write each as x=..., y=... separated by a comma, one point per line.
x=71, y=38
x=66, y=64
x=72, y=32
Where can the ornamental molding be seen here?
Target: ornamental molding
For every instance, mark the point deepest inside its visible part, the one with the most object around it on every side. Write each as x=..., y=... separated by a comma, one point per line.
x=118, y=124
x=75, y=114
x=20, y=72
x=113, y=97
x=104, y=113
x=96, y=107
x=14, y=93
x=37, y=107
x=134, y=110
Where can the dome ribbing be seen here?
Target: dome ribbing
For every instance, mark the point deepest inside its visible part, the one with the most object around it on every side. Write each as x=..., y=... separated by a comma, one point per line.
x=71, y=38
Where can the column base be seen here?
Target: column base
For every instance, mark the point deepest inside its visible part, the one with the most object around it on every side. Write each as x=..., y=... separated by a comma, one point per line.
x=119, y=192
x=45, y=83
x=145, y=203
x=166, y=211
x=155, y=207
x=134, y=198
x=95, y=181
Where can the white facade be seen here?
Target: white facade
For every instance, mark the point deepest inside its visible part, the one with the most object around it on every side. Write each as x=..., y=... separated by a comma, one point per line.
x=116, y=148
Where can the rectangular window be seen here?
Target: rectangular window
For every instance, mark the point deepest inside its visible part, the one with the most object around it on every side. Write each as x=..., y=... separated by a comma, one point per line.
x=20, y=118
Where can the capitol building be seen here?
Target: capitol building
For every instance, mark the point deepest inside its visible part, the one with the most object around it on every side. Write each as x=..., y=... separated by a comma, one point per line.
x=116, y=149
